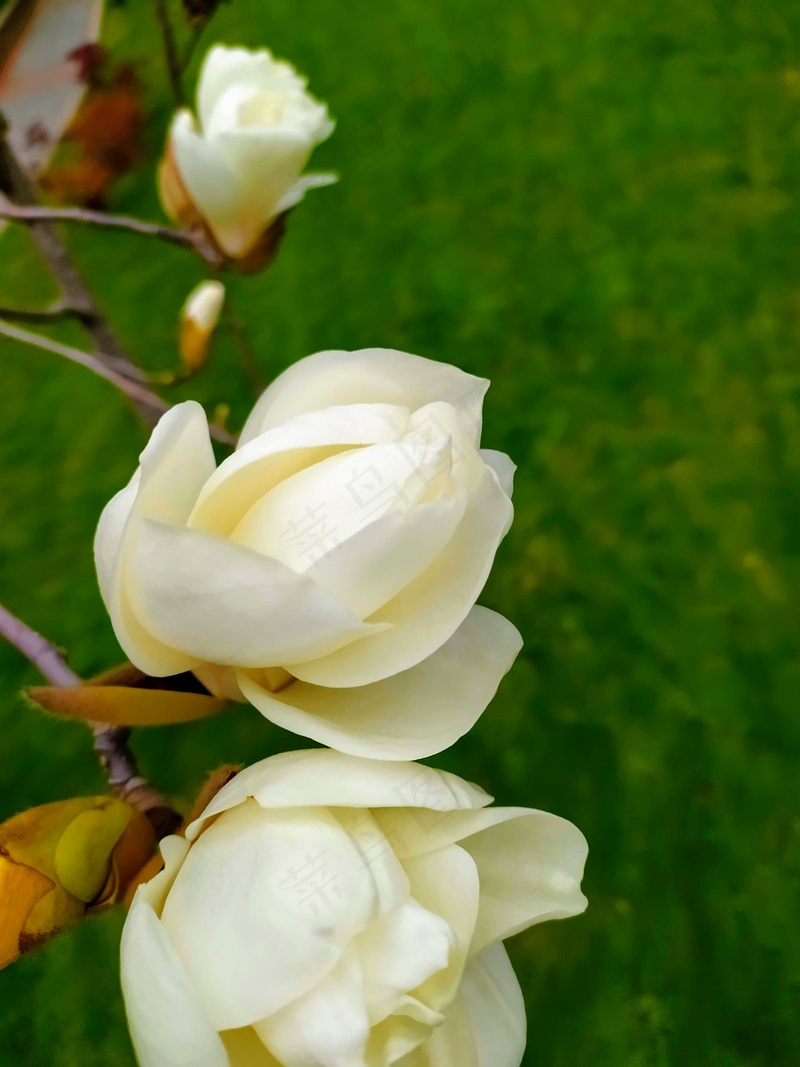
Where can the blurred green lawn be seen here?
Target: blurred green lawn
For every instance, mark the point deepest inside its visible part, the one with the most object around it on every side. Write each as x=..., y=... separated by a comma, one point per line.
x=598, y=206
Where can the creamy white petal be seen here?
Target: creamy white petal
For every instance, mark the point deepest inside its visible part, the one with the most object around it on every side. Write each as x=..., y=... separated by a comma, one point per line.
x=263, y=907
x=214, y=187
x=256, y=468
x=225, y=68
x=266, y=163
x=173, y=851
x=370, y=375
x=109, y=535
x=174, y=466
x=295, y=192
x=416, y=832
x=327, y=1027
x=430, y=609
x=168, y=1025
x=495, y=1008
x=399, y=952
x=446, y=883
x=411, y=715
x=324, y=777
x=217, y=601
x=503, y=466
x=374, y=564
x=386, y=871
x=449, y=1045
x=530, y=869
x=318, y=509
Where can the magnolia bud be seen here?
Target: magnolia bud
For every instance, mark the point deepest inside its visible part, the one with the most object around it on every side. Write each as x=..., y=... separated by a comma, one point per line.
x=198, y=320
x=62, y=861
x=232, y=173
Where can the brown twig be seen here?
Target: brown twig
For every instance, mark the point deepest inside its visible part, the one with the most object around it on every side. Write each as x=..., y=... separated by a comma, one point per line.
x=136, y=390
x=43, y=316
x=170, y=52
x=29, y=214
x=17, y=186
x=110, y=742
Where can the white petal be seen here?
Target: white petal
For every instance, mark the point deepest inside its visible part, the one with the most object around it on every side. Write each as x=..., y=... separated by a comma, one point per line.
x=321, y=777
x=430, y=609
x=496, y=1011
x=368, y=376
x=173, y=850
x=174, y=466
x=530, y=869
x=266, y=163
x=217, y=601
x=386, y=871
x=316, y=511
x=214, y=187
x=374, y=564
x=410, y=715
x=263, y=906
x=503, y=466
x=449, y=1045
x=295, y=192
x=399, y=952
x=223, y=68
x=168, y=1025
x=256, y=468
x=327, y=1027
x=109, y=535
x=446, y=883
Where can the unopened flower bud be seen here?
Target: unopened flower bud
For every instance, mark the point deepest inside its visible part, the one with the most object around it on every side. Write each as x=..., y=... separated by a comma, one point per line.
x=62, y=861
x=199, y=318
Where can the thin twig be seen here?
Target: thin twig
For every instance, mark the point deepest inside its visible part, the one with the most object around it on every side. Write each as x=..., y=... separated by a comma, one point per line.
x=47, y=659
x=110, y=742
x=194, y=39
x=18, y=213
x=170, y=52
x=42, y=316
x=247, y=357
x=134, y=389
x=18, y=187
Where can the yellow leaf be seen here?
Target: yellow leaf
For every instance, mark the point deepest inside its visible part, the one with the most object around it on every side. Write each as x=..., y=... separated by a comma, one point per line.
x=21, y=888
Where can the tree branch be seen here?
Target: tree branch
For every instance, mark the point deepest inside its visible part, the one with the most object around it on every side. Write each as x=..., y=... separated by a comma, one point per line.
x=110, y=742
x=170, y=52
x=136, y=390
x=133, y=389
x=43, y=316
x=37, y=213
x=17, y=186
x=43, y=655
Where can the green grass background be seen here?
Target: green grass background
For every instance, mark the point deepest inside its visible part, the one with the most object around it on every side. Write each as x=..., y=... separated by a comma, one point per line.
x=597, y=206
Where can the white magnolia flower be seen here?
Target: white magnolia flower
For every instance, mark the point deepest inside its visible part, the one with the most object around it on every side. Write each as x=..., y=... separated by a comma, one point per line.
x=327, y=571
x=198, y=320
x=238, y=165
x=331, y=911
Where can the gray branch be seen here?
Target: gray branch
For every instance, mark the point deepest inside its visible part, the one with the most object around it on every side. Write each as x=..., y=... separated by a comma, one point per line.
x=110, y=742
